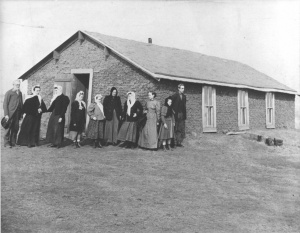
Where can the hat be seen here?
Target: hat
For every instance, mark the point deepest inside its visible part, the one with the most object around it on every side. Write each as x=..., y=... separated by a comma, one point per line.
x=5, y=123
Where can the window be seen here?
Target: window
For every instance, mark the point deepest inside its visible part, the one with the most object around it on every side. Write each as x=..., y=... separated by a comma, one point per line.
x=209, y=109
x=243, y=110
x=270, y=113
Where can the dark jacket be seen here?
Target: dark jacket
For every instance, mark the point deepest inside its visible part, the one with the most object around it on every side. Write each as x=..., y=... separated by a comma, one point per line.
x=136, y=108
x=31, y=106
x=179, y=105
x=60, y=105
x=77, y=117
x=12, y=102
x=110, y=104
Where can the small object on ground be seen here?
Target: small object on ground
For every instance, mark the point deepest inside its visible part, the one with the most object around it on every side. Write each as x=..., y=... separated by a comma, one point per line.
x=235, y=133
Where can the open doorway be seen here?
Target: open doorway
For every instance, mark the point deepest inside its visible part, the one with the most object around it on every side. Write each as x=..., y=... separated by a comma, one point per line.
x=81, y=83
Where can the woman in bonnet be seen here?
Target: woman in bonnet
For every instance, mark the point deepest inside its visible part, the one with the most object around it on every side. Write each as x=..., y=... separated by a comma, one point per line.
x=95, y=129
x=131, y=113
x=77, y=122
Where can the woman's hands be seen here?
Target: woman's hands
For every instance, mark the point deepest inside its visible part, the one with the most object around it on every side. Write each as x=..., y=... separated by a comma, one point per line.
x=165, y=125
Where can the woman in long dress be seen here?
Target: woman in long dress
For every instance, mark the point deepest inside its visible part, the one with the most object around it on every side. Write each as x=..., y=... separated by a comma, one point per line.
x=33, y=107
x=148, y=137
x=112, y=111
x=95, y=129
x=58, y=106
x=166, y=132
x=77, y=122
x=131, y=113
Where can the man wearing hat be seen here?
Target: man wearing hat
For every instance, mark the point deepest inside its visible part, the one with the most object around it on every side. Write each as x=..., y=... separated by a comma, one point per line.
x=12, y=107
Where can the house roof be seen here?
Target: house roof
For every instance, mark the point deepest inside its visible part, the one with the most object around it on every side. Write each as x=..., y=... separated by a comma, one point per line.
x=176, y=64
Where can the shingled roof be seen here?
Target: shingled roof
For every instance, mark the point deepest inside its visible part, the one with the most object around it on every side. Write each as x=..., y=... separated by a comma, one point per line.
x=176, y=64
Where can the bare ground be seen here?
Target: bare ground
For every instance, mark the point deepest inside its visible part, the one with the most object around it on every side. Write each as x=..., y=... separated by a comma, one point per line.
x=216, y=183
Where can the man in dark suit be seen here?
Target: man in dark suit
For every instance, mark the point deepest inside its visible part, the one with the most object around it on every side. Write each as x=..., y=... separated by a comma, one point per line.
x=56, y=124
x=179, y=108
x=12, y=106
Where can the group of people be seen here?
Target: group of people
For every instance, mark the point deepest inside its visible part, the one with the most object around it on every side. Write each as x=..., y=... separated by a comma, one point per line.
x=109, y=123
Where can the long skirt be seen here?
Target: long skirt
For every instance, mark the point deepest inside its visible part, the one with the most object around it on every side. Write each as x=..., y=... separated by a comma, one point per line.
x=179, y=131
x=148, y=137
x=111, y=129
x=168, y=133
x=128, y=132
x=30, y=131
x=55, y=130
x=95, y=129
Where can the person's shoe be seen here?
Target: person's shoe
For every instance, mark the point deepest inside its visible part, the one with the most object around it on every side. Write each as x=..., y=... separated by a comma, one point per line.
x=58, y=146
x=95, y=144
x=78, y=145
x=115, y=144
x=168, y=147
x=164, y=148
x=99, y=144
x=106, y=143
x=51, y=145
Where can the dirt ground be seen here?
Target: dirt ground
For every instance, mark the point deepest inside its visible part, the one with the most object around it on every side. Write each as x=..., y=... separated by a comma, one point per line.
x=216, y=183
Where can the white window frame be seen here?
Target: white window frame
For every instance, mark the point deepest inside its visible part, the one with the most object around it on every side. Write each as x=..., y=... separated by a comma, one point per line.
x=243, y=119
x=209, y=108
x=270, y=107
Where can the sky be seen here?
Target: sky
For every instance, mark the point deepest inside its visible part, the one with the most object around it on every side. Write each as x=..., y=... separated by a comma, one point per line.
x=261, y=34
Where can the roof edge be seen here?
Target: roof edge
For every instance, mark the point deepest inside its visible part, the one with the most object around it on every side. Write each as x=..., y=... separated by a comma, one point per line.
x=191, y=80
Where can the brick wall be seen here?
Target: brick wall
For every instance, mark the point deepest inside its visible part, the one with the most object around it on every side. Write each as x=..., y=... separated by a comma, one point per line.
x=227, y=116
x=284, y=110
x=257, y=109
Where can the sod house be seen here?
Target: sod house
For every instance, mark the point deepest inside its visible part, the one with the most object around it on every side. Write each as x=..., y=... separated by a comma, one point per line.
x=222, y=95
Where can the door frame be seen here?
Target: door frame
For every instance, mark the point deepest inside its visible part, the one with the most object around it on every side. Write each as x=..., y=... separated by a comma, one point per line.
x=91, y=73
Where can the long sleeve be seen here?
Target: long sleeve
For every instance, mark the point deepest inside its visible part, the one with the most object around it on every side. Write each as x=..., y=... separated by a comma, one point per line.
x=5, y=103
x=119, y=107
x=43, y=107
x=66, y=104
x=52, y=106
x=157, y=109
x=90, y=110
x=163, y=114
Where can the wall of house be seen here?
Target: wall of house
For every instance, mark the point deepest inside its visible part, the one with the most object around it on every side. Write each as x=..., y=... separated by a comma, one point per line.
x=227, y=116
x=284, y=110
x=257, y=109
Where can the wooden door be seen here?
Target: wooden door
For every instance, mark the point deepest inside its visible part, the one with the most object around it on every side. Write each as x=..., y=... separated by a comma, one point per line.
x=66, y=80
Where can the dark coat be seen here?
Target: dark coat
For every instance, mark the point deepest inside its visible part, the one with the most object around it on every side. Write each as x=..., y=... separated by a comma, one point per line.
x=77, y=117
x=110, y=104
x=12, y=102
x=179, y=105
x=60, y=105
x=31, y=106
x=136, y=108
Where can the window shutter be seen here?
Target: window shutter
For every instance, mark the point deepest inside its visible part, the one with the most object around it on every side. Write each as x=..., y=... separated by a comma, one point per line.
x=270, y=110
x=243, y=110
x=209, y=109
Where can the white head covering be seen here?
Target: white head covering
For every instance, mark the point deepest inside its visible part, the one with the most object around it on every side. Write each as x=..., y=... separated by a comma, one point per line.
x=81, y=102
x=98, y=96
x=130, y=101
x=34, y=94
x=59, y=88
